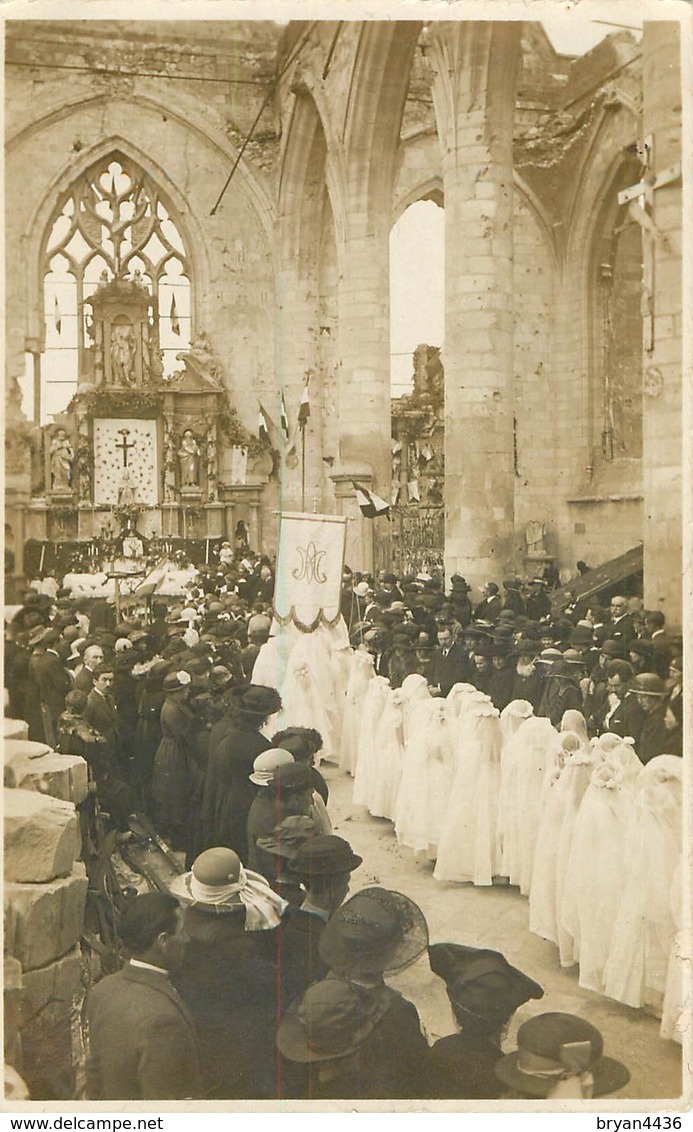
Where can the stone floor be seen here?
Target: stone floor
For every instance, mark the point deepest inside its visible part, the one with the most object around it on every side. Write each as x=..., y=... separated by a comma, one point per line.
x=497, y=918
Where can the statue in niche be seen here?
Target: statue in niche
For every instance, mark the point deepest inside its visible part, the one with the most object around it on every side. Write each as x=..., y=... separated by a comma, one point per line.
x=241, y=540
x=61, y=459
x=126, y=491
x=123, y=351
x=212, y=465
x=535, y=533
x=189, y=460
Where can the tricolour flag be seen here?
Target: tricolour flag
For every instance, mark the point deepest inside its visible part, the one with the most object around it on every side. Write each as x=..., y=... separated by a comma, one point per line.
x=283, y=417
x=304, y=408
x=371, y=504
x=57, y=317
x=175, y=324
x=263, y=423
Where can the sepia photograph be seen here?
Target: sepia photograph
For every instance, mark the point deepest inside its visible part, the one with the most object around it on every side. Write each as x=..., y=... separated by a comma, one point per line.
x=347, y=488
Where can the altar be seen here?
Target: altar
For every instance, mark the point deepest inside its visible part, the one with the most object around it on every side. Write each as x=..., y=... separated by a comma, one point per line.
x=167, y=457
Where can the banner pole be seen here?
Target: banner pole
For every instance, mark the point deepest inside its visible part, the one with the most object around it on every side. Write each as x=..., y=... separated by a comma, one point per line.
x=303, y=468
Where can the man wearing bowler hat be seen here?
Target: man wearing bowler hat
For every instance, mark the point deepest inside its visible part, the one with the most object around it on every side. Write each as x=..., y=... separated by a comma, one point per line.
x=323, y=865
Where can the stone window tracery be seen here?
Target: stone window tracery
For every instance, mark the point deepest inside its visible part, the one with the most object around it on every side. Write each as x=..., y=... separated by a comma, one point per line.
x=113, y=221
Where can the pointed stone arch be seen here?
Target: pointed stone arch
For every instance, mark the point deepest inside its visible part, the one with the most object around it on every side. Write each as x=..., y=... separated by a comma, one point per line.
x=378, y=90
x=309, y=181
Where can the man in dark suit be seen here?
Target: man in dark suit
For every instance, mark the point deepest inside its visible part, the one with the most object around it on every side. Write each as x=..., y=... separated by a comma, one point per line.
x=93, y=657
x=490, y=608
x=660, y=733
x=450, y=664
x=622, y=628
x=101, y=711
x=142, y=1044
x=324, y=865
x=52, y=683
x=661, y=646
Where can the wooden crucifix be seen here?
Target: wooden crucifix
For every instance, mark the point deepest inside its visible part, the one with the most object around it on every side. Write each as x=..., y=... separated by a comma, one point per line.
x=640, y=198
x=124, y=446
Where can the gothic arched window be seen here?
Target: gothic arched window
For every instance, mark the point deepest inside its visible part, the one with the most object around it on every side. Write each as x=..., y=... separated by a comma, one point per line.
x=113, y=220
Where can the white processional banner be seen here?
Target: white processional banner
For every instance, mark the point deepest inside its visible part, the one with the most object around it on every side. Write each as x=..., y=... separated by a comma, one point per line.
x=310, y=562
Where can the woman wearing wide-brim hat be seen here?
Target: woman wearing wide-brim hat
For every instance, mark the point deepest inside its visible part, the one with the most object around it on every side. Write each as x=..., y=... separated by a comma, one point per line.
x=559, y=1057
x=368, y=1032
x=229, y=793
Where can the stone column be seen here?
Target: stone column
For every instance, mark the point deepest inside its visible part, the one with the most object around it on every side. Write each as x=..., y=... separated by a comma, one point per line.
x=359, y=531
x=662, y=379
x=364, y=347
x=297, y=353
x=475, y=68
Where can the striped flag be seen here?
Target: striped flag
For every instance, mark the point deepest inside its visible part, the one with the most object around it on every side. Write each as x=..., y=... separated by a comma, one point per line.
x=304, y=408
x=57, y=317
x=283, y=417
x=175, y=324
x=263, y=423
x=371, y=504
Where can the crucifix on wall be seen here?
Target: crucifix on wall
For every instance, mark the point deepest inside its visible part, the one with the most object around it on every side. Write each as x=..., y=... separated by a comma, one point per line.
x=124, y=446
x=640, y=198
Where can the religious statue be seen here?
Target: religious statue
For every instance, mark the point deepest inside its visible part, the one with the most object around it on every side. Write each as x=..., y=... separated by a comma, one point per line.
x=535, y=533
x=241, y=539
x=61, y=459
x=123, y=355
x=211, y=465
x=126, y=491
x=200, y=361
x=189, y=460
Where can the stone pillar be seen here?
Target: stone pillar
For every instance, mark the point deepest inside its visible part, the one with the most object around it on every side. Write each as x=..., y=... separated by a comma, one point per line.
x=475, y=68
x=662, y=379
x=364, y=348
x=297, y=352
x=359, y=531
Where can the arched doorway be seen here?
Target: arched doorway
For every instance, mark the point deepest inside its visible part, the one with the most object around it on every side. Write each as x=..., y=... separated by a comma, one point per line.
x=417, y=314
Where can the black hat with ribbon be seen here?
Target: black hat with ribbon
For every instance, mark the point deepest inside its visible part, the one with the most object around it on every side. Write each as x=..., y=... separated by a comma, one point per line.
x=560, y=1050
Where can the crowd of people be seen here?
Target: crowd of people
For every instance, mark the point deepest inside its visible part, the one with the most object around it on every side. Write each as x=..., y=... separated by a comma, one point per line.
x=506, y=743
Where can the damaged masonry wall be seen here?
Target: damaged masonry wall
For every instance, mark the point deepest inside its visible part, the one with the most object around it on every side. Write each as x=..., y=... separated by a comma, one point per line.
x=44, y=904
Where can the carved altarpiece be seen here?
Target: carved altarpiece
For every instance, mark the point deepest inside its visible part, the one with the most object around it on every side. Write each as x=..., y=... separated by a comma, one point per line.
x=133, y=443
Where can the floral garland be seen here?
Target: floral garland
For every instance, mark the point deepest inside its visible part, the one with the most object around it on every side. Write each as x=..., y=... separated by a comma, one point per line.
x=112, y=402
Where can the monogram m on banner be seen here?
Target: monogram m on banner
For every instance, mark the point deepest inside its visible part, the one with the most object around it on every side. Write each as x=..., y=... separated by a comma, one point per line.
x=309, y=570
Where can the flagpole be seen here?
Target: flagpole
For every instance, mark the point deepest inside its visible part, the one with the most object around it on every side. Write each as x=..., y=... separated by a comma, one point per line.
x=303, y=468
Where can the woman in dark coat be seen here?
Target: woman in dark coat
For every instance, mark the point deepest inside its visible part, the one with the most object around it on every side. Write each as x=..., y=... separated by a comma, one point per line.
x=484, y=992
x=150, y=696
x=228, y=792
x=351, y=1036
x=173, y=781
x=228, y=980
